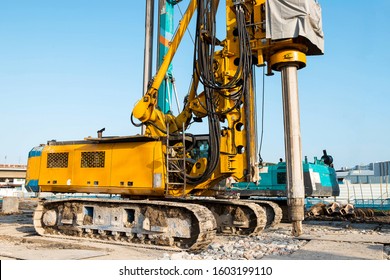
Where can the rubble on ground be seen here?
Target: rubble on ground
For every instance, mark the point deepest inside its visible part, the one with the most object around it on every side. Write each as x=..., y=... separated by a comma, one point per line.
x=245, y=247
x=272, y=242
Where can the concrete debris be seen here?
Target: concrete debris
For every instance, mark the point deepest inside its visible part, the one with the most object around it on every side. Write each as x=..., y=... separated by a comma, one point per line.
x=317, y=210
x=278, y=243
x=10, y=205
x=339, y=210
x=332, y=208
x=348, y=209
x=245, y=248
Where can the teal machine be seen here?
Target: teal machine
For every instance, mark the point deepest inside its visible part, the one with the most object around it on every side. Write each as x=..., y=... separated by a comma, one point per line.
x=319, y=179
x=165, y=35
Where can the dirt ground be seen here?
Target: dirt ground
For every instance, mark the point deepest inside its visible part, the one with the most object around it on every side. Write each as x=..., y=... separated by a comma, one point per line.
x=18, y=240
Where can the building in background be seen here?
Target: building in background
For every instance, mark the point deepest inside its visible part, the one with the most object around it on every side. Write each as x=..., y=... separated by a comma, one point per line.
x=12, y=180
x=365, y=185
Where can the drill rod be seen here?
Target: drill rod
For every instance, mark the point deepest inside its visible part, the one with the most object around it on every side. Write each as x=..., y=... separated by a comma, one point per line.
x=293, y=150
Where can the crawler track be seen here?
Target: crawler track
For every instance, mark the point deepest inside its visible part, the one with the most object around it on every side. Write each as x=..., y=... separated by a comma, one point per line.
x=162, y=223
x=235, y=216
x=273, y=211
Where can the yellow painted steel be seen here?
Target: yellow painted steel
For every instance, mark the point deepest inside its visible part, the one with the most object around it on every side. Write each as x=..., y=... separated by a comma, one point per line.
x=290, y=57
x=134, y=168
x=145, y=110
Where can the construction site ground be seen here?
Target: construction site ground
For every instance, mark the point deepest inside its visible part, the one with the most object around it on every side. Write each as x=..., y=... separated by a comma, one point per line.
x=321, y=240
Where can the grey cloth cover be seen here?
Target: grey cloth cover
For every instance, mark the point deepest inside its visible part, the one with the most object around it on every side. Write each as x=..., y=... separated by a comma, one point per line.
x=296, y=18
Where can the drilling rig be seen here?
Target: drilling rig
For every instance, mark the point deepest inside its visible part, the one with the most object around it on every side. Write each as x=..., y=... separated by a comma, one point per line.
x=167, y=178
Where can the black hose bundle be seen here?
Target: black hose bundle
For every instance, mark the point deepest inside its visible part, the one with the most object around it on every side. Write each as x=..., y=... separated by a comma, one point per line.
x=203, y=67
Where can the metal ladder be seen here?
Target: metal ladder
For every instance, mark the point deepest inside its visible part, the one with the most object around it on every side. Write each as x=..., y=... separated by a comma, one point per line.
x=171, y=156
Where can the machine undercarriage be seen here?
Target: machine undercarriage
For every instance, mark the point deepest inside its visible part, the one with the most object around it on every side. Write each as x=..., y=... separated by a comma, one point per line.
x=189, y=225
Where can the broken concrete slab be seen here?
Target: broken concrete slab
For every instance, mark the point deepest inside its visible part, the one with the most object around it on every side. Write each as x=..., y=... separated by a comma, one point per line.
x=334, y=250
x=360, y=238
x=10, y=205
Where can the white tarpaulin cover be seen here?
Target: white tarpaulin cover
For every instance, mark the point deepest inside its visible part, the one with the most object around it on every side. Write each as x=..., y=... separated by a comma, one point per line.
x=293, y=18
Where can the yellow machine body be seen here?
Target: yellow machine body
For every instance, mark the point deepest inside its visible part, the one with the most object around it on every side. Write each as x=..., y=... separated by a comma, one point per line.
x=128, y=168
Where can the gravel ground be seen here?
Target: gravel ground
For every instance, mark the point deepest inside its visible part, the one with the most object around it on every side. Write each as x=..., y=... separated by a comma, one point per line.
x=277, y=242
x=245, y=248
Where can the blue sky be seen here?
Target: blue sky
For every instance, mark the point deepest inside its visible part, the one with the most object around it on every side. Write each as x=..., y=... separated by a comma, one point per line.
x=69, y=68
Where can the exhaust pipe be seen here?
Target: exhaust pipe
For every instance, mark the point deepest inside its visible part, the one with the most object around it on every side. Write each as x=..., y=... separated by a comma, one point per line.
x=100, y=132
